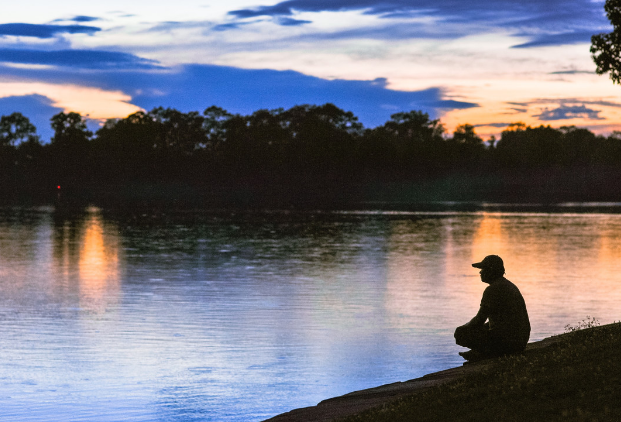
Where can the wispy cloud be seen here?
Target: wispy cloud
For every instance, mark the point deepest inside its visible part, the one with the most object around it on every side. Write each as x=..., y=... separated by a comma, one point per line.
x=496, y=125
x=44, y=31
x=536, y=13
x=85, y=59
x=543, y=23
x=557, y=39
x=569, y=100
x=284, y=21
x=569, y=112
x=82, y=18
x=573, y=72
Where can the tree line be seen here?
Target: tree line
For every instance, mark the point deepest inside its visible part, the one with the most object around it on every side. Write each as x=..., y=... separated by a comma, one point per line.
x=313, y=146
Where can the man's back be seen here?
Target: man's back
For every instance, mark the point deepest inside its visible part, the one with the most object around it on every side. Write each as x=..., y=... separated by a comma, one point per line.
x=508, y=318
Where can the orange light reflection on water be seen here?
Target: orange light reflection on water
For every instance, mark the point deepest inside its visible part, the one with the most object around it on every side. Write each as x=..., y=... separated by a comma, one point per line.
x=98, y=265
x=567, y=266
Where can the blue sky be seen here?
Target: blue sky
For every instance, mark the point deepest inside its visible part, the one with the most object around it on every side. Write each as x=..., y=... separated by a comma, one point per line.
x=487, y=63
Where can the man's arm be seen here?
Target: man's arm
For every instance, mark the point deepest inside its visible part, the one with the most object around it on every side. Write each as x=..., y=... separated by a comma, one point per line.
x=479, y=318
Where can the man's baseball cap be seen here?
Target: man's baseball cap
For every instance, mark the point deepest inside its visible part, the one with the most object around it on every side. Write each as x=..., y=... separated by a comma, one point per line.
x=490, y=261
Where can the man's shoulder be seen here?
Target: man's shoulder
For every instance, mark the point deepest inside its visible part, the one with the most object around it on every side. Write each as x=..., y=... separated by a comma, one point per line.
x=500, y=287
x=502, y=282
x=499, y=284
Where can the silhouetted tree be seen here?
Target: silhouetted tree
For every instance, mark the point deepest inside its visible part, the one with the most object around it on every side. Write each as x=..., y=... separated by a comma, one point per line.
x=126, y=148
x=606, y=48
x=70, y=150
x=419, y=140
x=321, y=136
x=15, y=128
x=465, y=134
x=578, y=146
x=179, y=132
x=322, y=148
x=378, y=153
x=415, y=126
x=70, y=132
x=608, y=151
x=213, y=125
x=465, y=148
x=132, y=136
x=522, y=145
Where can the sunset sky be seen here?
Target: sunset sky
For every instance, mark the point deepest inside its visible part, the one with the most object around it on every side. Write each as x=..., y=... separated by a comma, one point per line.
x=483, y=62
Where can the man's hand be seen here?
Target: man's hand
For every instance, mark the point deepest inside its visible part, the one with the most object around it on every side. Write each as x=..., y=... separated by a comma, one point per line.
x=479, y=318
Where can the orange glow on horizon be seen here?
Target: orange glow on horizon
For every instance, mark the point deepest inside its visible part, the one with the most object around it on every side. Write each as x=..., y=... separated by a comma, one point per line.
x=94, y=103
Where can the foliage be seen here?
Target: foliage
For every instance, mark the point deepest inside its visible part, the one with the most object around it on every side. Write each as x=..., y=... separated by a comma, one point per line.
x=527, y=147
x=465, y=134
x=70, y=131
x=585, y=323
x=16, y=128
x=606, y=48
x=575, y=379
x=311, y=148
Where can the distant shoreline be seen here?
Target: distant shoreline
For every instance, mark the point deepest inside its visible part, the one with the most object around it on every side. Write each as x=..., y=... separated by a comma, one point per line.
x=552, y=188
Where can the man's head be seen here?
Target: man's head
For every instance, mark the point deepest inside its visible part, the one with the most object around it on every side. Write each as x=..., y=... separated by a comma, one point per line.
x=491, y=267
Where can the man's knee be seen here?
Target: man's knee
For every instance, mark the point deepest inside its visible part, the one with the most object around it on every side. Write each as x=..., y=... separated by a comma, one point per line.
x=458, y=334
x=462, y=335
x=472, y=337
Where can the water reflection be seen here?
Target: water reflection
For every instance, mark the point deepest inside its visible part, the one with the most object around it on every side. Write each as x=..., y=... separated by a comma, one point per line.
x=488, y=238
x=609, y=255
x=241, y=317
x=86, y=258
x=98, y=264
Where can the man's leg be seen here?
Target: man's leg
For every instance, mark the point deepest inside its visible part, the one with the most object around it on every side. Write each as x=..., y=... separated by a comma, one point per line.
x=478, y=339
x=475, y=338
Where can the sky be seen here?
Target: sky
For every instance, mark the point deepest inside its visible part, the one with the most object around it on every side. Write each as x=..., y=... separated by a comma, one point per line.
x=488, y=63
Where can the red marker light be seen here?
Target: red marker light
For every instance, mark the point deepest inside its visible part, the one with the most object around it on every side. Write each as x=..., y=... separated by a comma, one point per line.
x=58, y=187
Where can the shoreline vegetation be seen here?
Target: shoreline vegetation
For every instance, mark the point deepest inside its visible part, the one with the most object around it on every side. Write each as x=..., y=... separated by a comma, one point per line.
x=569, y=377
x=305, y=157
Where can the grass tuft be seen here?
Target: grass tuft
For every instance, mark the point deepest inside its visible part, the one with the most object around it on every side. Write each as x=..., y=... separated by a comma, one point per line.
x=585, y=323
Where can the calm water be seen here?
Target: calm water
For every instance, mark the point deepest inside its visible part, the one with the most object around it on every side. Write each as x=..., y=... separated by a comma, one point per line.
x=198, y=317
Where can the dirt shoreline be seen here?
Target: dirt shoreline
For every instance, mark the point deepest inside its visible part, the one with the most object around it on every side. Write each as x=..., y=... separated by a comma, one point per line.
x=358, y=401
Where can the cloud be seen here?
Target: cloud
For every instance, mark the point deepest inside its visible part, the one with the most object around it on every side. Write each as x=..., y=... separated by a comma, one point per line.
x=525, y=11
x=517, y=110
x=563, y=101
x=231, y=25
x=84, y=59
x=569, y=112
x=196, y=87
x=573, y=72
x=550, y=22
x=558, y=39
x=290, y=7
x=496, y=125
x=600, y=103
x=43, y=31
x=38, y=108
x=245, y=91
x=283, y=21
x=82, y=18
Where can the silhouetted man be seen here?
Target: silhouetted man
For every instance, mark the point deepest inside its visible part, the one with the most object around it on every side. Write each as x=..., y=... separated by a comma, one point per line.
x=507, y=328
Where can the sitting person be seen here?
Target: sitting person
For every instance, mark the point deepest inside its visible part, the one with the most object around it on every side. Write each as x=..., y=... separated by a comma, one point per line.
x=507, y=328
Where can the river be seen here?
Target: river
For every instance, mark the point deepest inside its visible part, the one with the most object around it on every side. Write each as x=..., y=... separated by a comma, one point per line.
x=241, y=316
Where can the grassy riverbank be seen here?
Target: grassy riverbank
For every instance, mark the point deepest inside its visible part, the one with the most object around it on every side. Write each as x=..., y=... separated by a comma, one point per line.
x=575, y=379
